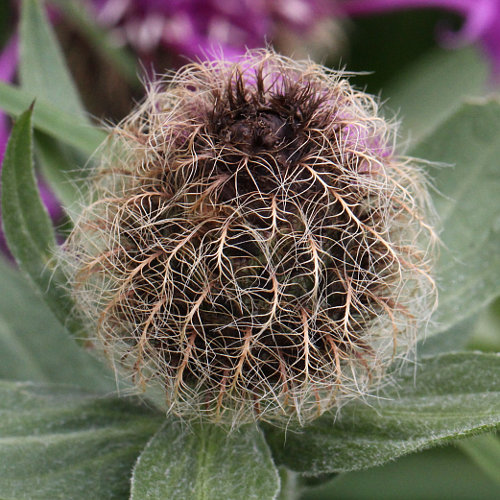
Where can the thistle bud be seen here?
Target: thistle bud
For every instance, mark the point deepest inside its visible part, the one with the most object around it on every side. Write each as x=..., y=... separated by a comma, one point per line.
x=254, y=248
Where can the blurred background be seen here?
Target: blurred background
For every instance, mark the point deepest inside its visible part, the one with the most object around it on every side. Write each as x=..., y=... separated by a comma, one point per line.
x=109, y=44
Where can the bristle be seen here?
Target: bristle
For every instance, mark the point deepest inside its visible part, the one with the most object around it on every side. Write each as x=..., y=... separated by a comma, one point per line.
x=254, y=247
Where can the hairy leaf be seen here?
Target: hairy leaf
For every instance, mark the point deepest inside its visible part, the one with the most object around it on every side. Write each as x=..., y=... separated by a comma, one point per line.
x=204, y=462
x=34, y=345
x=468, y=272
x=441, y=473
x=64, y=169
x=486, y=336
x=62, y=443
x=448, y=397
x=28, y=228
x=452, y=340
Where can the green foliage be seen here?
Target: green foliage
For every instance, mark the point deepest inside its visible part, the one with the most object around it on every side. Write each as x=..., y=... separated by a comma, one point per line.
x=59, y=442
x=486, y=335
x=434, y=88
x=27, y=225
x=467, y=184
x=485, y=451
x=64, y=169
x=454, y=339
x=447, y=397
x=34, y=345
x=442, y=473
x=52, y=120
x=43, y=72
x=202, y=462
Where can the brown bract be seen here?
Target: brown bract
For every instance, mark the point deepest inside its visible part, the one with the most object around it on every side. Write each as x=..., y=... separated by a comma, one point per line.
x=254, y=248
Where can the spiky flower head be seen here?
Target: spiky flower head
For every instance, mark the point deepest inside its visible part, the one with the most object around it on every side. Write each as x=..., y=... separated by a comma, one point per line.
x=254, y=248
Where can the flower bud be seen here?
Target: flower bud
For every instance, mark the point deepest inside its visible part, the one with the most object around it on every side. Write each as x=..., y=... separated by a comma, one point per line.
x=254, y=248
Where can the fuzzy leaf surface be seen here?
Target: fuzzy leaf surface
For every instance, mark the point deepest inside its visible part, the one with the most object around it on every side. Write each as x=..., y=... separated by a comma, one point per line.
x=468, y=271
x=27, y=225
x=59, y=442
x=443, y=473
x=48, y=118
x=450, y=396
x=205, y=463
x=34, y=345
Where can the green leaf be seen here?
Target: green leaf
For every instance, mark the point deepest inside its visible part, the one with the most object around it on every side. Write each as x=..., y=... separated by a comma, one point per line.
x=43, y=72
x=485, y=451
x=486, y=336
x=205, y=462
x=42, y=69
x=443, y=473
x=63, y=168
x=27, y=225
x=34, y=345
x=48, y=118
x=434, y=87
x=468, y=270
x=449, y=396
x=452, y=340
x=62, y=443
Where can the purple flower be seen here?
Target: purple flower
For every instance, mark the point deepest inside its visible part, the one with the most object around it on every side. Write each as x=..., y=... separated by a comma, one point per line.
x=197, y=28
x=482, y=20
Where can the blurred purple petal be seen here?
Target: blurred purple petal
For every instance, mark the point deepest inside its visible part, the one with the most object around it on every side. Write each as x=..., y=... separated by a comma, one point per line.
x=195, y=28
x=481, y=20
x=50, y=201
x=8, y=59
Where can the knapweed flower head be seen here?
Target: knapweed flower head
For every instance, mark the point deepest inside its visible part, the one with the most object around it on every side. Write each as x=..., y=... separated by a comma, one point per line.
x=253, y=247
